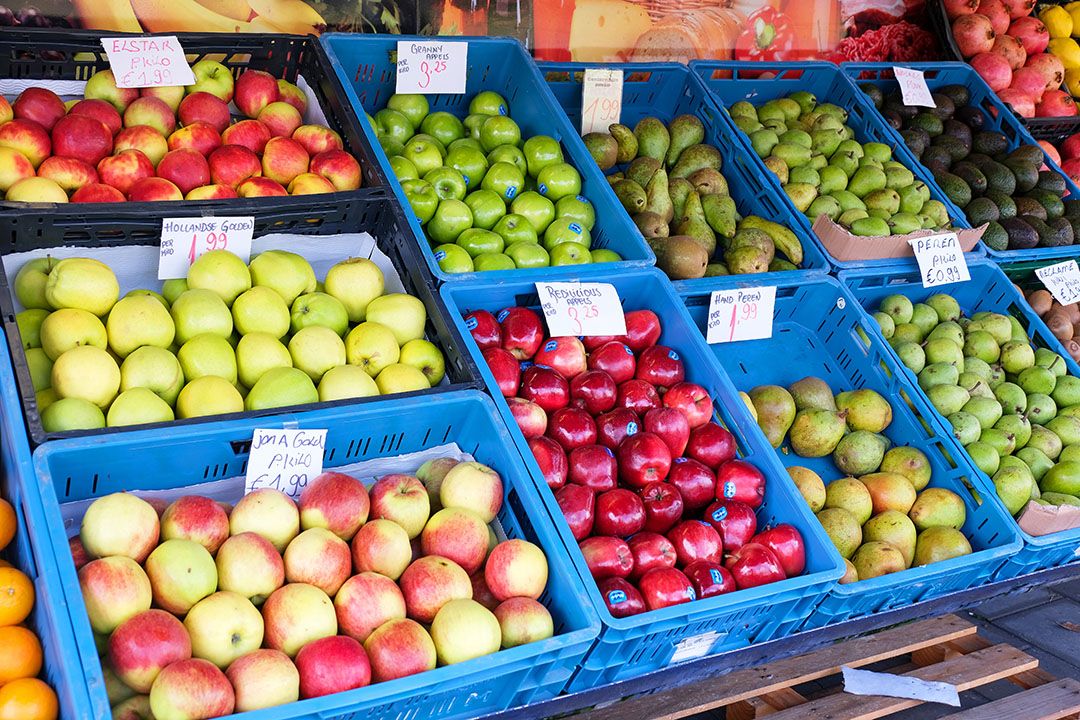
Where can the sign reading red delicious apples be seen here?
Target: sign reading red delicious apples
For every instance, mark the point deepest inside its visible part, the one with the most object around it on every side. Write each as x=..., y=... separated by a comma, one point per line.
x=431, y=66
x=142, y=62
x=741, y=314
x=581, y=309
x=184, y=239
x=285, y=460
x=601, y=99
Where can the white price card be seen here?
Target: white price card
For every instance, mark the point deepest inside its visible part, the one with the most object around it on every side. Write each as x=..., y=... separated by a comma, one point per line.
x=581, y=309
x=431, y=66
x=601, y=99
x=1062, y=280
x=742, y=314
x=941, y=261
x=913, y=88
x=694, y=647
x=148, y=61
x=285, y=460
x=184, y=239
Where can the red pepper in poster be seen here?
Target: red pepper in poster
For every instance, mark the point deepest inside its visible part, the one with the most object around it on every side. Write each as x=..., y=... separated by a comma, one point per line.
x=766, y=36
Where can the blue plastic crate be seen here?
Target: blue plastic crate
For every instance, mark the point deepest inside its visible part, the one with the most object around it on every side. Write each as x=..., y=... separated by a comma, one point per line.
x=819, y=331
x=80, y=468
x=998, y=117
x=988, y=290
x=32, y=553
x=666, y=90
x=730, y=82
x=631, y=646
x=363, y=65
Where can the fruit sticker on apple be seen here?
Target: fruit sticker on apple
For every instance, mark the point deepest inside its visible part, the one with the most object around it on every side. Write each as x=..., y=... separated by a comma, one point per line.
x=142, y=62
x=285, y=460
x=581, y=309
x=742, y=314
x=185, y=239
x=431, y=67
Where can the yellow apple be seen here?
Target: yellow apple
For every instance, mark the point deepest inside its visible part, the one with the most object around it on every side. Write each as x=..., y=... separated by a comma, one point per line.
x=207, y=354
x=258, y=352
x=261, y=309
x=200, y=311
x=355, y=282
x=138, y=406
x=371, y=346
x=153, y=368
x=315, y=350
x=136, y=321
x=288, y=273
x=71, y=327
x=398, y=378
x=209, y=395
x=86, y=372
x=346, y=381
x=82, y=283
x=281, y=387
x=403, y=314
x=222, y=272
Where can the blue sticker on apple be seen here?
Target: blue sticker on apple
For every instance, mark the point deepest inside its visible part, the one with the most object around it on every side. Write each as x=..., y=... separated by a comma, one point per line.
x=502, y=109
x=608, y=451
x=550, y=345
x=582, y=198
x=439, y=257
x=470, y=322
x=511, y=191
x=691, y=594
x=627, y=349
x=673, y=355
x=542, y=189
x=729, y=489
x=466, y=179
x=719, y=514
x=631, y=428
x=716, y=576
x=526, y=364
x=679, y=460
x=575, y=228
x=502, y=315
x=615, y=597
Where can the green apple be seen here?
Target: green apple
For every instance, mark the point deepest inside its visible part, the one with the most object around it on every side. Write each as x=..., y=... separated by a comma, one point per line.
x=29, y=324
x=558, y=181
x=577, y=208
x=570, y=253
x=536, y=208
x=478, y=242
x=503, y=179
x=31, y=280
x=448, y=183
x=205, y=355
x=432, y=140
x=72, y=414
x=390, y=146
x=371, y=346
x=136, y=321
x=541, y=151
x=355, y=282
x=487, y=208
x=291, y=275
x=172, y=289
x=470, y=162
x=40, y=367
x=200, y=311
x=282, y=387
x=516, y=228
x=319, y=308
x=412, y=105
x=499, y=130
x=45, y=398
x=493, y=261
x=214, y=78
x=394, y=125
x=208, y=395
x=400, y=378
x=403, y=314
x=452, y=217
x=472, y=124
x=488, y=102
x=315, y=350
x=466, y=142
x=346, y=381
x=149, y=293
x=422, y=199
x=403, y=168
x=603, y=255
x=528, y=255
x=426, y=357
x=138, y=406
x=453, y=258
x=86, y=372
x=509, y=154
x=222, y=272
x=155, y=369
x=82, y=283
x=261, y=309
x=258, y=352
x=565, y=230
x=71, y=327
x=443, y=126
x=424, y=155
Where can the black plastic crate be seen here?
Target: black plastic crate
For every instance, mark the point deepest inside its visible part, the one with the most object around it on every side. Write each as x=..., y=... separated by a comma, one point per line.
x=76, y=55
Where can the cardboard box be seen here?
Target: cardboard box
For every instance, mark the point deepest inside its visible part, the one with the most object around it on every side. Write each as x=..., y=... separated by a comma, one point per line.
x=846, y=247
x=1038, y=520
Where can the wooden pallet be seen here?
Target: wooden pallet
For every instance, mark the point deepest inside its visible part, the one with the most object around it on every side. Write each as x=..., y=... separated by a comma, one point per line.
x=943, y=649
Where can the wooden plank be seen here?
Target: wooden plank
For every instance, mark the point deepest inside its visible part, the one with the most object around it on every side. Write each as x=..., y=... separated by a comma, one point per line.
x=1026, y=680
x=1053, y=701
x=764, y=705
x=965, y=672
x=752, y=682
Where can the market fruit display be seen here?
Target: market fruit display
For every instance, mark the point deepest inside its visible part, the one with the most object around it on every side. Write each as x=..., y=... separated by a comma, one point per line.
x=879, y=513
x=824, y=170
x=670, y=182
x=1010, y=189
x=233, y=336
x=216, y=139
x=1012, y=406
x=487, y=198
x=647, y=481
x=1066, y=155
x=209, y=609
x=1062, y=320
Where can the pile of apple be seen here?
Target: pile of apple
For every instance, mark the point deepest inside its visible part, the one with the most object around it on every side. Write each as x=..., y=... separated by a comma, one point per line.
x=229, y=338
x=169, y=143
x=207, y=610
x=649, y=484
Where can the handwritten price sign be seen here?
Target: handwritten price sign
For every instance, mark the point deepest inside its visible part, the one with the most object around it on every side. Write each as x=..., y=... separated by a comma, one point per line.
x=285, y=460
x=431, y=67
x=141, y=62
x=601, y=99
x=185, y=239
x=1062, y=280
x=581, y=309
x=913, y=87
x=941, y=261
x=743, y=314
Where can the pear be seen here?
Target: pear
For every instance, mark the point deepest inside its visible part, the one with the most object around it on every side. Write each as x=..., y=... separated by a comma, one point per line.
x=986, y=410
x=938, y=374
x=816, y=433
x=874, y=559
x=685, y=130
x=694, y=225
x=894, y=528
x=866, y=410
x=651, y=225
x=603, y=148
x=653, y=138
x=631, y=195
x=843, y=530
x=938, y=507
x=1013, y=487
x=948, y=399
x=720, y=213
x=910, y=462
x=810, y=486
x=965, y=427
x=642, y=170
x=899, y=306
x=695, y=158
x=939, y=543
x=775, y=412
x=708, y=180
x=658, y=200
x=859, y=452
x=679, y=189
x=851, y=495
x=812, y=392
x=889, y=491
x=945, y=306
x=627, y=142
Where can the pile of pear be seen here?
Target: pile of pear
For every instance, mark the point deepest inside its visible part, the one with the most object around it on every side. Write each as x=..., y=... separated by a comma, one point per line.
x=1013, y=407
x=671, y=184
x=879, y=513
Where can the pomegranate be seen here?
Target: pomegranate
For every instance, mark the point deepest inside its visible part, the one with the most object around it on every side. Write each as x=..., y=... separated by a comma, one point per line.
x=1051, y=151
x=993, y=69
x=1051, y=67
x=1055, y=103
x=1020, y=101
x=1011, y=49
x=998, y=14
x=1029, y=81
x=1031, y=32
x=1019, y=8
x=1070, y=147
x=956, y=8
x=1071, y=167
x=973, y=34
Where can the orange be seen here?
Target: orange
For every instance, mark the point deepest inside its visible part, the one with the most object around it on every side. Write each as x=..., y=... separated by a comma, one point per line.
x=27, y=699
x=20, y=654
x=16, y=596
x=7, y=523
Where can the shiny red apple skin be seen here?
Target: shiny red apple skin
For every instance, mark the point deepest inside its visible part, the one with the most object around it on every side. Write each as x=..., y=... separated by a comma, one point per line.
x=663, y=506
x=522, y=331
x=578, y=505
x=616, y=359
x=651, y=550
x=593, y=466
x=696, y=540
x=692, y=400
x=660, y=365
x=709, y=579
x=621, y=598
x=545, y=387
x=552, y=460
x=637, y=395
x=787, y=543
x=506, y=369
x=565, y=355
x=734, y=520
x=530, y=417
x=607, y=556
x=615, y=426
x=672, y=427
x=619, y=512
x=643, y=329
x=665, y=587
x=643, y=458
x=571, y=427
x=739, y=480
x=484, y=328
x=595, y=391
x=711, y=444
x=695, y=482
x=753, y=565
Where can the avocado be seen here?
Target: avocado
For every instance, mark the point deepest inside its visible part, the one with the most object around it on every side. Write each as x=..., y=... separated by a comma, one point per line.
x=1055, y=208
x=937, y=155
x=957, y=129
x=895, y=103
x=958, y=148
x=972, y=175
x=945, y=106
x=874, y=93
x=893, y=118
x=929, y=122
x=1075, y=222
x=1062, y=233
x=1051, y=181
x=916, y=139
x=995, y=237
x=971, y=116
x=989, y=142
x=1005, y=204
x=954, y=188
x=981, y=210
x=1021, y=235
x=1031, y=154
x=1026, y=173
x=998, y=177
x=1072, y=208
x=959, y=94
x=1029, y=206
x=1045, y=232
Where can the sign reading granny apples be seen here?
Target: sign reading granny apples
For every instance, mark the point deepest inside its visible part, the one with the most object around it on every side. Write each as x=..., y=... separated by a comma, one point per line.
x=285, y=460
x=581, y=309
x=184, y=239
x=941, y=261
x=913, y=87
x=601, y=99
x=431, y=66
x=741, y=314
x=1062, y=280
x=142, y=62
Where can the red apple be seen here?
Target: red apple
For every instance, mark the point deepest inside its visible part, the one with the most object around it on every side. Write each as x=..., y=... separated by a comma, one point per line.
x=39, y=105
x=578, y=505
x=522, y=331
x=523, y=621
x=505, y=368
x=787, y=543
x=565, y=355
x=691, y=400
x=331, y=665
x=96, y=192
x=101, y=111
x=340, y=168
x=260, y=187
x=144, y=645
x=68, y=172
x=196, y=518
x=29, y=138
x=255, y=89
x=171, y=95
x=431, y=582
x=616, y=359
x=283, y=159
x=753, y=565
x=79, y=556
x=185, y=168
x=593, y=390
x=709, y=578
x=316, y=138
x=484, y=328
x=83, y=138
x=482, y=594
x=711, y=444
x=607, y=556
x=651, y=550
x=124, y=169
x=663, y=506
x=637, y=395
x=696, y=540
x=318, y=557
x=734, y=520
x=263, y=678
x=615, y=426
x=252, y=134
x=459, y=535
x=335, y=501
x=296, y=614
x=382, y=546
x=150, y=111
x=403, y=499
x=198, y=136
x=695, y=481
x=367, y=601
x=739, y=480
x=233, y=164
x=14, y=166
x=399, y=648
x=552, y=460
x=249, y=565
x=642, y=329
x=145, y=139
x=622, y=598
x=619, y=512
x=595, y=467
x=530, y=417
x=545, y=387
x=516, y=568
x=202, y=107
x=212, y=192
x=660, y=365
x=192, y=688
x=571, y=427
x=290, y=93
x=114, y=589
x=643, y=458
x=281, y=118
x=672, y=427
x=664, y=587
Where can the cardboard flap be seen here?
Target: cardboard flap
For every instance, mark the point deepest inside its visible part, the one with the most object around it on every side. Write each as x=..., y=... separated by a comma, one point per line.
x=846, y=247
x=1038, y=520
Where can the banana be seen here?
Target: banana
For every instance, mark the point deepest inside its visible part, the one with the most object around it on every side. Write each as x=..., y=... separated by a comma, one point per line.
x=114, y=15
x=261, y=24
x=235, y=9
x=184, y=16
x=627, y=141
x=785, y=241
x=292, y=16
